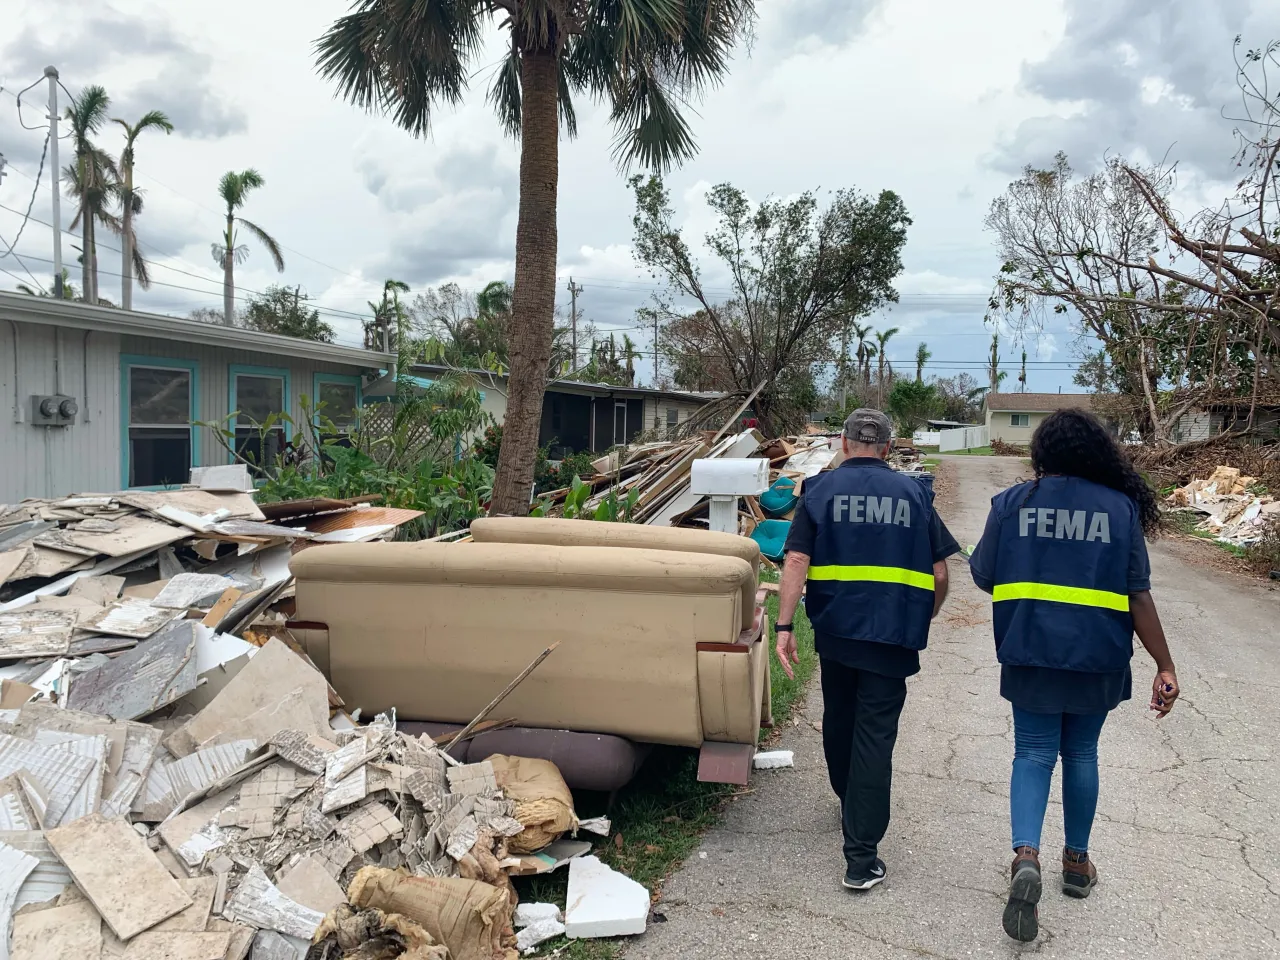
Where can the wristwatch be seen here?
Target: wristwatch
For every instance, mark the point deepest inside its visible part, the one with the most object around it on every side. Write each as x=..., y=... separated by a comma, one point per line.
x=782, y=628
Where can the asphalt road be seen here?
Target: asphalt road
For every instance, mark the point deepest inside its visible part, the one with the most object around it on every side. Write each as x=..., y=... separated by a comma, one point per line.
x=1188, y=834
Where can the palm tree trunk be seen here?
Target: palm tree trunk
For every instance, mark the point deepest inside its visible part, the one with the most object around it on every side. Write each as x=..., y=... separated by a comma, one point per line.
x=86, y=255
x=126, y=250
x=534, y=300
x=228, y=278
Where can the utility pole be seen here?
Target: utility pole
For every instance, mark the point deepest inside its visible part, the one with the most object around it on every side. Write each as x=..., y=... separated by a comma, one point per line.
x=52, y=74
x=574, y=290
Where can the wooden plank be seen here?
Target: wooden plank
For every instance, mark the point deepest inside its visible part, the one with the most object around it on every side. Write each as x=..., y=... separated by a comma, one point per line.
x=221, y=608
x=122, y=878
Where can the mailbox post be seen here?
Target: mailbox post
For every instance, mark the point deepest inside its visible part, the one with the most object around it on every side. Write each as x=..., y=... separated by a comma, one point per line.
x=724, y=481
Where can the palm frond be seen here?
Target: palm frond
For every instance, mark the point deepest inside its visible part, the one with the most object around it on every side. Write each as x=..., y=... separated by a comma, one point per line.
x=219, y=253
x=505, y=94
x=403, y=56
x=650, y=128
x=140, y=270
x=235, y=187
x=240, y=254
x=266, y=240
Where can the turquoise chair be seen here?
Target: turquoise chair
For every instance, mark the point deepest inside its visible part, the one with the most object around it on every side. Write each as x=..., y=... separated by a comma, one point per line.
x=770, y=536
x=780, y=498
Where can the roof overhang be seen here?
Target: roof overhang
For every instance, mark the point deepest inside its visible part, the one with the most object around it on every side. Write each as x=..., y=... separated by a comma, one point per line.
x=23, y=308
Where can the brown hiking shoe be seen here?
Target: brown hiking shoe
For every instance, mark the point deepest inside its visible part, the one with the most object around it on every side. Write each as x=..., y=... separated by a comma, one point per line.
x=1021, y=914
x=1079, y=876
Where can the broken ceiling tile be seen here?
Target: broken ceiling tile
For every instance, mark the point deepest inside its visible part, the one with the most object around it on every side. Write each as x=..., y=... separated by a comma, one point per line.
x=113, y=867
x=151, y=675
x=344, y=761
x=49, y=878
x=58, y=772
x=43, y=562
x=88, y=798
x=369, y=826
x=336, y=854
x=427, y=786
x=270, y=945
x=259, y=903
x=59, y=933
x=194, y=833
x=261, y=797
x=177, y=946
x=101, y=590
x=195, y=918
x=35, y=631
x=257, y=688
x=133, y=534
x=169, y=784
x=15, y=867
x=188, y=590
x=473, y=780
x=133, y=618
x=505, y=826
x=603, y=902
x=15, y=812
x=343, y=793
x=308, y=751
x=43, y=715
x=308, y=882
x=140, y=748
x=462, y=838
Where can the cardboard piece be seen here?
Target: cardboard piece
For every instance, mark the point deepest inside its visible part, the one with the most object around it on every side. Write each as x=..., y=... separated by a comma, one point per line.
x=151, y=675
x=14, y=694
x=257, y=688
x=111, y=864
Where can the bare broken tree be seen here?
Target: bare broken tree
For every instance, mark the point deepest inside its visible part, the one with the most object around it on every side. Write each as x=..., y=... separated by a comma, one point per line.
x=797, y=274
x=1186, y=311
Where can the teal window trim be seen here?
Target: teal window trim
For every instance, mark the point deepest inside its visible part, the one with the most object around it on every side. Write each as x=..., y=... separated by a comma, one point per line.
x=247, y=370
x=318, y=378
x=130, y=360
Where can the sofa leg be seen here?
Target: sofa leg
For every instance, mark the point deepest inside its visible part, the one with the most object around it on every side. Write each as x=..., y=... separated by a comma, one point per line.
x=725, y=762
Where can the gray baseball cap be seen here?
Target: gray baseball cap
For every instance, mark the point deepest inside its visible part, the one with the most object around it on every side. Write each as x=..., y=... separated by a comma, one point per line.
x=866, y=425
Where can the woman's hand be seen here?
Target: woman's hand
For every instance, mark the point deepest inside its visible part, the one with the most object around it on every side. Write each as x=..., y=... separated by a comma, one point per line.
x=1164, y=692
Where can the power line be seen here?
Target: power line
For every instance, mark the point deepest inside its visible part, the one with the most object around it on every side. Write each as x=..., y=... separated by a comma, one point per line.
x=31, y=204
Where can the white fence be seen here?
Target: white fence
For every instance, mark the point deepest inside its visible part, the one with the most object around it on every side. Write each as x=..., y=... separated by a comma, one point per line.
x=925, y=438
x=962, y=438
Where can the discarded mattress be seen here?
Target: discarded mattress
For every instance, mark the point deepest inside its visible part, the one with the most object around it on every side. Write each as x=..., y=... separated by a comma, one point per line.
x=655, y=646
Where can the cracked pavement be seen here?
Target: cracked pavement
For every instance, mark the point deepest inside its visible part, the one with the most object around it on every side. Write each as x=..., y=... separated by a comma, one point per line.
x=1187, y=837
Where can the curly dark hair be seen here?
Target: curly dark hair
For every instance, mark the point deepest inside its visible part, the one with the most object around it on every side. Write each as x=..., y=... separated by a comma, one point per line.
x=1073, y=443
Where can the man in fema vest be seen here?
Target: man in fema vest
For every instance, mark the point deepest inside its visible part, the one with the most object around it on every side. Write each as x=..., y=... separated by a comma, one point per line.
x=873, y=552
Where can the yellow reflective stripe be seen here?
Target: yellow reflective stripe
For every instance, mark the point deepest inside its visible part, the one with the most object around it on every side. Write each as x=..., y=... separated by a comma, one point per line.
x=1081, y=596
x=910, y=578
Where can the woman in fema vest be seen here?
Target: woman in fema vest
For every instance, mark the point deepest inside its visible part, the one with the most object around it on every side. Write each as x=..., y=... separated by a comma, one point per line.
x=1065, y=562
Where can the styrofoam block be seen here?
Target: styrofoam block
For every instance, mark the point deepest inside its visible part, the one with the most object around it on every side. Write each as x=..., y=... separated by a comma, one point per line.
x=603, y=902
x=527, y=940
x=771, y=759
x=527, y=913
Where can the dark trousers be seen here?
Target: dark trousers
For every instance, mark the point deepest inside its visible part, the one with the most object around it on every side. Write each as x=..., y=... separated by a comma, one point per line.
x=859, y=729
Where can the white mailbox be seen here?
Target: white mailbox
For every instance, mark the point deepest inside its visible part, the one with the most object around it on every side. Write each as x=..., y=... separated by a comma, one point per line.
x=724, y=481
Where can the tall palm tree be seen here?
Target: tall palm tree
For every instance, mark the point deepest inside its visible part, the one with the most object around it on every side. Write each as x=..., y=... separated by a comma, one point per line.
x=131, y=261
x=923, y=353
x=92, y=180
x=644, y=58
x=384, y=330
x=234, y=188
x=861, y=331
x=993, y=368
x=882, y=338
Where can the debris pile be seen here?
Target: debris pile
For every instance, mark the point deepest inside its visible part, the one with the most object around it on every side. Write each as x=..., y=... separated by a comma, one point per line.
x=178, y=780
x=658, y=475
x=1234, y=511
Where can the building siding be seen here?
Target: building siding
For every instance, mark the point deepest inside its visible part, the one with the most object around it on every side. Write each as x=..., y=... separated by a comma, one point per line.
x=999, y=427
x=87, y=456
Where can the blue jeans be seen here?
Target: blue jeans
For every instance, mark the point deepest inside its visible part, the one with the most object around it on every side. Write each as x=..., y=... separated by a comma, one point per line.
x=1039, y=738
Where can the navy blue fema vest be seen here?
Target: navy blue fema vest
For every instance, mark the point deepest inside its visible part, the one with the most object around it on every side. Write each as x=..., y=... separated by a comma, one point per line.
x=1060, y=596
x=871, y=572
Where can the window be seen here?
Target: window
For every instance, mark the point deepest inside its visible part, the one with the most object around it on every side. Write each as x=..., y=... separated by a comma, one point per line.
x=673, y=420
x=1019, y=419
x=337, y=398
x=257, y=395
x=159, y=406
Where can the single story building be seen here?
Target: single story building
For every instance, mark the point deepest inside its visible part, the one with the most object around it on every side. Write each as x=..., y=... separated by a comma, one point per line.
x=103, y=399
x=592, y=417
x=1220, y=416
x=1013, y=417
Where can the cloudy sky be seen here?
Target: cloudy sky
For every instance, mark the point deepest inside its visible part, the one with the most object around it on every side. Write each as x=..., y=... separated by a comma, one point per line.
x=941, y=102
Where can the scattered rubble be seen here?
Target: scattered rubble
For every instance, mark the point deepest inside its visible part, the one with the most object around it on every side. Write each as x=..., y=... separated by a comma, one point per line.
x=1233, y=513
x=178, y=780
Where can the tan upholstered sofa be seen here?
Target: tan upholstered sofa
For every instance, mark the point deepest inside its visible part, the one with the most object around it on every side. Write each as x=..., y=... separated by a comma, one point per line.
x=660, y=630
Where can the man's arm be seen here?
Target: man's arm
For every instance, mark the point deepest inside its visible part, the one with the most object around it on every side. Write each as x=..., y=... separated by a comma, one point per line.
x=795, y=571
x=941, y=584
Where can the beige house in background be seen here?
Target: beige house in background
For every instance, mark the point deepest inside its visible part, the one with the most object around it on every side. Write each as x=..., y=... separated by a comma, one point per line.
x=1013, y=417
